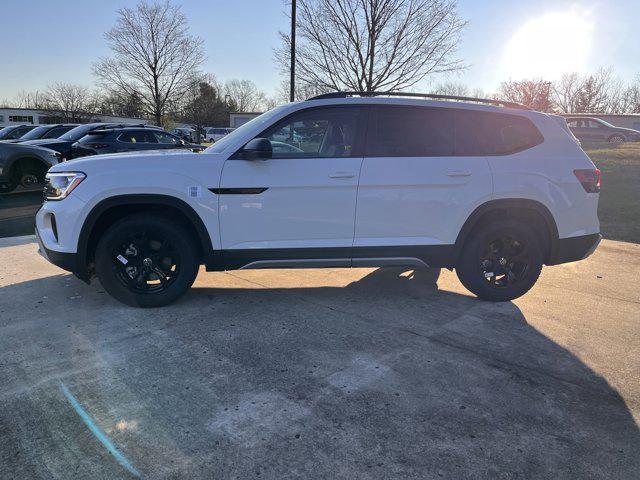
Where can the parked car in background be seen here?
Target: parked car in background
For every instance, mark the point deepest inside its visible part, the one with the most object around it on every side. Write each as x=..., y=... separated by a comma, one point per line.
x=187, y=134
x=13, y=132
x=24, y=165
x=214, y=134
x=64, y=142
x=126, y=139
x=590, y=129
x=44, y=132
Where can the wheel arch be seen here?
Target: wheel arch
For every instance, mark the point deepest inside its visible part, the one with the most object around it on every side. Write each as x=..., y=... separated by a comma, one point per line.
x=106, y=212
x=13, y=162
x=517, y=208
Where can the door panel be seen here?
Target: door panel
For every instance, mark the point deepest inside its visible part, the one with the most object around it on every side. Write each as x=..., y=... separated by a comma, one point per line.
x=418, y=201
x=308, y=190
x=302, y=206
x=412, y=189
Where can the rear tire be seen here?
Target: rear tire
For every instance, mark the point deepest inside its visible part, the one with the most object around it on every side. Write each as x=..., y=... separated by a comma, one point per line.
x=501, y=261
x=146, y=261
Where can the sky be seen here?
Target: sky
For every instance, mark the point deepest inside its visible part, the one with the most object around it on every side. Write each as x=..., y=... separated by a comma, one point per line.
x=45, y=41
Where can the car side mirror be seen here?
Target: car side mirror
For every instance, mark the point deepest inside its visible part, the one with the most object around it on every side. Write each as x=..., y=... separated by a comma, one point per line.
x=182, y=142
x=257, y=149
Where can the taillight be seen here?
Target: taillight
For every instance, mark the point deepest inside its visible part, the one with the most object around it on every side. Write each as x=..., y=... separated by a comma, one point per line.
x=589, y=178
x=98, y=145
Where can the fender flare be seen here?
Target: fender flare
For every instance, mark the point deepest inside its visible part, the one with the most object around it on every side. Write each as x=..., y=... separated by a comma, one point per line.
x=140, y=199
x=507, y=204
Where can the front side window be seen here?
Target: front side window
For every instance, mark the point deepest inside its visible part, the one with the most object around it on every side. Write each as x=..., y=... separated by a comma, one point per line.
x=328, y=132
x=399, y=131
x=488, y=133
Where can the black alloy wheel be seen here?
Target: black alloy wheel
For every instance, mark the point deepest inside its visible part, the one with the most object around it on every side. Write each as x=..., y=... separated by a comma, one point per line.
x=501, y=261
x=147, y=260
x=504, y=261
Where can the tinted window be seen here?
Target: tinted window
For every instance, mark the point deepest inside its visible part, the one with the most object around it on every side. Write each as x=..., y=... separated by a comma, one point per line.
x=94, y=137
x=35, y=133
x=484, y=133
x=166, y=138
x=137, y=136
x=411, y=132
x=56, y=132
x=77, y=133
x=319, y=132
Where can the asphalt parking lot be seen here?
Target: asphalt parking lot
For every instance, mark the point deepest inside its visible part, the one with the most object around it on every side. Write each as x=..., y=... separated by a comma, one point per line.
x=18, y=210
x=358, y=373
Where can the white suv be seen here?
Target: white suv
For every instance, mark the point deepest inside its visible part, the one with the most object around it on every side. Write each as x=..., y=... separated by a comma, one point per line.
x=489, y=188
x=215, y=134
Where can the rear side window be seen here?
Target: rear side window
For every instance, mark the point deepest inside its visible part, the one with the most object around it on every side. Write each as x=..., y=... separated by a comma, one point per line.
x=485, y=133
x=137, y=136
x=411, y=132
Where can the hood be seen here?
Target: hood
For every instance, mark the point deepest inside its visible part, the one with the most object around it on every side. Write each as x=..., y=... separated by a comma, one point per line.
x=45, y=141
x=147, y=158
x=628, y=130
x=21, y=147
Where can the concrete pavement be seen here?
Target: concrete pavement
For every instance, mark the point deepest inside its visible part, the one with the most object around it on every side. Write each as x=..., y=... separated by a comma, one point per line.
x=353, y=374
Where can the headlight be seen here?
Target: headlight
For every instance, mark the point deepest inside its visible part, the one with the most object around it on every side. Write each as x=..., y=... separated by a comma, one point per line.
x=59, y=185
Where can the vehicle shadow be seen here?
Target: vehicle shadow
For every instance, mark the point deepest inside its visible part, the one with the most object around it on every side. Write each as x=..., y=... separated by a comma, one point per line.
x=384, y=377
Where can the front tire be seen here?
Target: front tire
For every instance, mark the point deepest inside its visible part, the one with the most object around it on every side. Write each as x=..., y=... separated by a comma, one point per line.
x=501, y=261
x=616, y=139
x=146, y=261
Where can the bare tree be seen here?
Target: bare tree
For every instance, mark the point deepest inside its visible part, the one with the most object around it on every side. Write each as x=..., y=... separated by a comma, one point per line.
x=452, y=88
x=303, y=91
x=26, y=99
x=373, y=45
x=245, y=95
x=565, y=92
x=154, y=56
x=594, y=95
x=534, y=93
x=72, y=103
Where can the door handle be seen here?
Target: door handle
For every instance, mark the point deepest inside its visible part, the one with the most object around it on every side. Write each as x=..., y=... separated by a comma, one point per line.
x=459, y=173
x=342, y=175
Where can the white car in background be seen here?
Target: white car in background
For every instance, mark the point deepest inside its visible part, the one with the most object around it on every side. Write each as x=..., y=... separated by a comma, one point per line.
x=214, y=134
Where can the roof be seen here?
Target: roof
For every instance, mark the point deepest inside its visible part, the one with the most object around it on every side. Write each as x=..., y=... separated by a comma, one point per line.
x=430, y=96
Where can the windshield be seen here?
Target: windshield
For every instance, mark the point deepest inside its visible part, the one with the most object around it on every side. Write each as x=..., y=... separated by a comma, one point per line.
x=229, y=139
x=6, y=131
x=605, y=123
x=76, y=133
x=35, y=133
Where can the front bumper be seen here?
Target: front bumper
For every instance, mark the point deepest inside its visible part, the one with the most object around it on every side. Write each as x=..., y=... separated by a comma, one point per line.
x=64, y=260
x=573, y=249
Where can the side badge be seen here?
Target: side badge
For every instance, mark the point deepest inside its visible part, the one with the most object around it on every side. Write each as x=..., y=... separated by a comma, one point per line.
x=195, y=191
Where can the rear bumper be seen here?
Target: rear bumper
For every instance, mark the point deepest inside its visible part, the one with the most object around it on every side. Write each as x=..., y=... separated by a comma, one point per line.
x=573, y=249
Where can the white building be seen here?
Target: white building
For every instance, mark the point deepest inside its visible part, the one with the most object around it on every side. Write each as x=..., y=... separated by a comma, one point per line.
x=240, y=118
x=30, y=116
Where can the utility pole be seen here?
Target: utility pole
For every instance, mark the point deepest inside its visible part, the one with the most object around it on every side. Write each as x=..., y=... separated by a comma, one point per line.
x=292, y=80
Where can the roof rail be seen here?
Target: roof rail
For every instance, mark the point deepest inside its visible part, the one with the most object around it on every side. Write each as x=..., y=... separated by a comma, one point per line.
x=434, y=96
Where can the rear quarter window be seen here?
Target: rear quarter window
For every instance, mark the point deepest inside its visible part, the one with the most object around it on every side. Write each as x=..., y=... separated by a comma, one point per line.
x=486, y=133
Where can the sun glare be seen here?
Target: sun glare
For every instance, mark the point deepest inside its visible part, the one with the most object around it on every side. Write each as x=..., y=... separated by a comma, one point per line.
x=548, y=46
